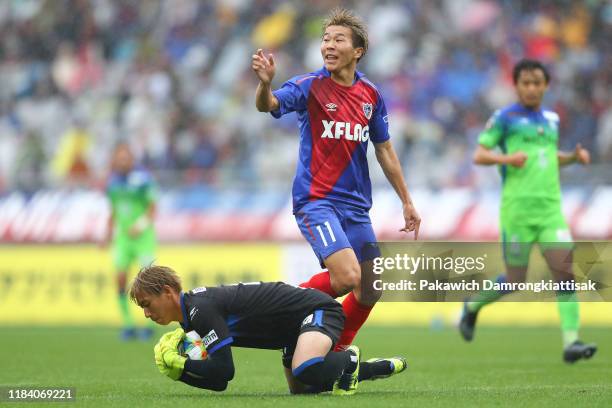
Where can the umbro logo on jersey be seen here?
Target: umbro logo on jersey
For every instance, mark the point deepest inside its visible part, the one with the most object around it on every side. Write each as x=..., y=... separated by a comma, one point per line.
x=337, y=130
x=331, y=107
x=193, y=312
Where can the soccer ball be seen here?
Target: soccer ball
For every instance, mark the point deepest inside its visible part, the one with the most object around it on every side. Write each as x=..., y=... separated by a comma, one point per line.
x=191, y=347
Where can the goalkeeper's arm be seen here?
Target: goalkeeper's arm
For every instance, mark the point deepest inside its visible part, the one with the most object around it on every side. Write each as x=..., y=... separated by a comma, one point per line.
x=213, y=373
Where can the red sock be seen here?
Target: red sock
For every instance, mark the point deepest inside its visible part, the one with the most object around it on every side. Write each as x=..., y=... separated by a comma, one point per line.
x=322, y=282
x=356, y=315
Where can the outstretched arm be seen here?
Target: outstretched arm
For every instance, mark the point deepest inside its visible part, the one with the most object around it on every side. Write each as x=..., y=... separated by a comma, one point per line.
x=386, y=156
x=264, y=68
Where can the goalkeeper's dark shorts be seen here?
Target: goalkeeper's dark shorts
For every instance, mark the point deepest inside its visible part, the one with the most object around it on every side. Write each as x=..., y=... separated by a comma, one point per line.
x=328, y=320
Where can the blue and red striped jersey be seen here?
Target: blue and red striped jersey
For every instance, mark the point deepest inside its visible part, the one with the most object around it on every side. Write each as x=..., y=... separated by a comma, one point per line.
x=336, y=122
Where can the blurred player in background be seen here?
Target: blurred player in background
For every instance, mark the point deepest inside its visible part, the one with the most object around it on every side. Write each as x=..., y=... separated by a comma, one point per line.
x=132, y=193
x=339, y=110
x=527, y=135
x=267, y=315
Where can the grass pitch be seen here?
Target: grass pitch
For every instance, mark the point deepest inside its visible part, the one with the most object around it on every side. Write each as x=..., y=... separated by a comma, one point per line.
x=502, y=367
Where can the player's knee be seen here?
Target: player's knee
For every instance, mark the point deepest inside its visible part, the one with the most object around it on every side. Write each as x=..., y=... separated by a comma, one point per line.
x=353, y=279
x=310, y=375
x=347, y=279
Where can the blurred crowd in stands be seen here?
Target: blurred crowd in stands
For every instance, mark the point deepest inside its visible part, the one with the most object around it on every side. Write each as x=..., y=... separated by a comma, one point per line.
x=173, y=78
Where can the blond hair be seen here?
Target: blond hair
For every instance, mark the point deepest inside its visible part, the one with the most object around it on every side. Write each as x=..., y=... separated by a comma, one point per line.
x=346, y=18
x=152, y=280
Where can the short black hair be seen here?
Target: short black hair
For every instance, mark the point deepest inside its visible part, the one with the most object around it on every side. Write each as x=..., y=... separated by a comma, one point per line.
x=529, y=65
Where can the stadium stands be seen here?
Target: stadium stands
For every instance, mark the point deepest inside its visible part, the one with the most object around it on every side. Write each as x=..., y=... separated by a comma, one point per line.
x=173, y=78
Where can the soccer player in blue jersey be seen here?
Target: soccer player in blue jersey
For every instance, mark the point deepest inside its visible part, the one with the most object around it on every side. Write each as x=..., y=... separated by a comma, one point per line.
x=339, y=111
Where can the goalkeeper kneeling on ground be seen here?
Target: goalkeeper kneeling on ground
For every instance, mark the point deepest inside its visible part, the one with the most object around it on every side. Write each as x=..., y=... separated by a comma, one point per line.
x=304, y=323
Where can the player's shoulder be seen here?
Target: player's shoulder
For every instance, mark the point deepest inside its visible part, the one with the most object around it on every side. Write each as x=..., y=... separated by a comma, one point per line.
x=113, y=181
x=510, y=110
x=198, y=290
x=139, y=176
x=198, y=308
x=507, y=113
x=202, y=297
x=215, y=293
x=368, y=84
x=366, y=81
x=550, y=115
x=306, y=79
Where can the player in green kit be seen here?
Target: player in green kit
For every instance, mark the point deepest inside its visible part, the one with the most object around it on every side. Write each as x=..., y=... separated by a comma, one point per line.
x=528, y=136
x=132, y=193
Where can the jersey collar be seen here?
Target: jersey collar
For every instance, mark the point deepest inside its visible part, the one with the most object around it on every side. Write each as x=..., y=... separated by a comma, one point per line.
x=327, y=74
x=525, y=109
x=185, y=322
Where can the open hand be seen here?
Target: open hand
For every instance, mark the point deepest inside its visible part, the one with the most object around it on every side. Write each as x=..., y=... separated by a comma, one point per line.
x=263, y=66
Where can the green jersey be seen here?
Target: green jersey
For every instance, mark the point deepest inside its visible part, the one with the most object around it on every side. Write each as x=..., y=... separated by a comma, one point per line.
x=531, y=194
x=130, y=196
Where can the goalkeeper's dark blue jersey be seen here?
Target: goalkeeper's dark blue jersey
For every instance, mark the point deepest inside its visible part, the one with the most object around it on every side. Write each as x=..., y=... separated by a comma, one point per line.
x=264, y=315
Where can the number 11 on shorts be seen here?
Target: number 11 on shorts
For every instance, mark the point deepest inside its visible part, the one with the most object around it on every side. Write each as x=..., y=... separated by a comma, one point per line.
x=331, y=233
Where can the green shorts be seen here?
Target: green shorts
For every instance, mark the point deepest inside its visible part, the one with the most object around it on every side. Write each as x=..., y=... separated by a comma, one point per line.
x=127, y=250
x=517, y=240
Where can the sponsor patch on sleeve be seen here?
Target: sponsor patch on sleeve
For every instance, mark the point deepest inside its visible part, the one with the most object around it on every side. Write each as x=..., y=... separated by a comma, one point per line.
x=210, y=338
